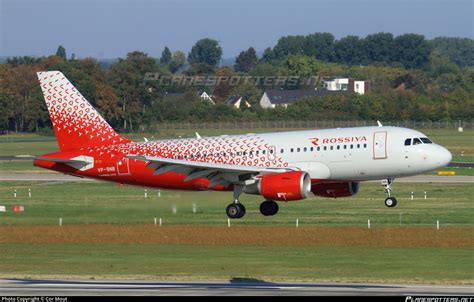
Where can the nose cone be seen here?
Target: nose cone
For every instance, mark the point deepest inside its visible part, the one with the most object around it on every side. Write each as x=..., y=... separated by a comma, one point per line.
x=443, y=157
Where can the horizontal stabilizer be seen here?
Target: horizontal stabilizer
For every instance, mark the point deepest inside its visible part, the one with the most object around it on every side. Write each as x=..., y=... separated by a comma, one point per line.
x=79, y=162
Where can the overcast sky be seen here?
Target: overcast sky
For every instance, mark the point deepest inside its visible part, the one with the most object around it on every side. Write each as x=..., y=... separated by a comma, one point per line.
x=111, y=28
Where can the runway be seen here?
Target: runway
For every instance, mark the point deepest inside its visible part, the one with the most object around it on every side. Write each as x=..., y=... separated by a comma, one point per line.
x=235, y=287
x=65, y=177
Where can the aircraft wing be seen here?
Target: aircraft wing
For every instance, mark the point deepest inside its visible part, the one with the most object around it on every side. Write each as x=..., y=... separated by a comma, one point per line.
x=216, y=173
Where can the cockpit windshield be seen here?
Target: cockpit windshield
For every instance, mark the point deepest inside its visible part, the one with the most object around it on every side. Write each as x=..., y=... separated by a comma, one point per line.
x=417, y=141
x=426, y=140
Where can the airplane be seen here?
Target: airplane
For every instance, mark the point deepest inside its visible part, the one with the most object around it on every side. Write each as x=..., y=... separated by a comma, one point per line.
x=279, y=166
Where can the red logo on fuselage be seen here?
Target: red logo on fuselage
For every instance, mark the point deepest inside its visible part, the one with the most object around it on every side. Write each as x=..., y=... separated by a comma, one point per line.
x=338, y=140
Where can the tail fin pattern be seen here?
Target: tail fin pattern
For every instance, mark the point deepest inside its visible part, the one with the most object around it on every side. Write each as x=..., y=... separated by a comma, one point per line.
x=76, y=123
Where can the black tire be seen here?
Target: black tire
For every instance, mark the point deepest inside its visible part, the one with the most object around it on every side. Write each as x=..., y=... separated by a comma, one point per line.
x=390, y=202
x=269, y=208
x=242, y=210
x=235, y=210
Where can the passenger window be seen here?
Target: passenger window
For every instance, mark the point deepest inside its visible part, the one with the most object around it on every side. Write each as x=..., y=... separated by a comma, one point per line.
x=311, y=149
x=250, y=152
x=325, y=148
x=365, y=145
x=338, y=147
x=332, y=147
x=291, y=150
x=258, y=152
x=263, y=152
x=408, y=142
x=358, y=146
x=345, y=146
x=304, y=149
x=319, y=148
x=271, y=151
x=282, y=151
x=352, y=146
x=416, y=141
x=298, y=149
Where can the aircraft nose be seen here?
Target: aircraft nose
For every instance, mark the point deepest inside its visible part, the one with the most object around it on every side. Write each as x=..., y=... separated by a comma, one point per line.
x=443, y=157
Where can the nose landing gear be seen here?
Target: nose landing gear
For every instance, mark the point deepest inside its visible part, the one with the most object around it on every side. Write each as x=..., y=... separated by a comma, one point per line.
x=387, y=185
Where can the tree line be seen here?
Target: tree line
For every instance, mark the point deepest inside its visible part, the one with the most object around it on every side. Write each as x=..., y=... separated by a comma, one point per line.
x=411, y=78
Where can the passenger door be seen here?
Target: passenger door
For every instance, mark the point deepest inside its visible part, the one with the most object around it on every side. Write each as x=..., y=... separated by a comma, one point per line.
x=380, y=145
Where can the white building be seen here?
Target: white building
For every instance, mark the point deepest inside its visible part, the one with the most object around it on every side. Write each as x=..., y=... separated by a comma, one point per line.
x=347, y=84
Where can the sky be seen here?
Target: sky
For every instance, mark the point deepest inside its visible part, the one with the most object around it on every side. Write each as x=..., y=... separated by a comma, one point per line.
x=107, y=29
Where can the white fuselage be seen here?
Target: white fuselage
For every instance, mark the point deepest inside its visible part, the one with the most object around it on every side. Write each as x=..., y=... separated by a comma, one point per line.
x=362, y=153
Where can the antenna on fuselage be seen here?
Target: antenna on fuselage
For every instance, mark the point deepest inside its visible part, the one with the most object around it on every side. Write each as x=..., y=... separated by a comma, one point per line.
x=146, y=139
x=197, y=135
x=379, y=123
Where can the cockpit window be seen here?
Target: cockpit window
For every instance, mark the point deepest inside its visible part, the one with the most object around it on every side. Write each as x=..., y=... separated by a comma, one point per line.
x=426, y=140
x=416, y=141
x=408, y=142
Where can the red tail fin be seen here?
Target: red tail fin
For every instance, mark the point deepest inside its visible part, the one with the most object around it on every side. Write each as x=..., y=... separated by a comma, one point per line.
x=76, y=123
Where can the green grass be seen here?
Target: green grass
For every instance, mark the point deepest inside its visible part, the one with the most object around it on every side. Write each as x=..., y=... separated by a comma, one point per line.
x=97, y=202
x=20, y=166
x=100, y=202
x=417, y=265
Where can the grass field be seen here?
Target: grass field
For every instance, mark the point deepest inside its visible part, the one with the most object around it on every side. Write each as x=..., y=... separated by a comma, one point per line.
x=108, y=232
x=99, y=202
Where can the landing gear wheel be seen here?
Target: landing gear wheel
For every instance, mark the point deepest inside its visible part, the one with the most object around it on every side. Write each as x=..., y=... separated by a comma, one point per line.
x=269, y=208
x=391, y=202
x=235, y=210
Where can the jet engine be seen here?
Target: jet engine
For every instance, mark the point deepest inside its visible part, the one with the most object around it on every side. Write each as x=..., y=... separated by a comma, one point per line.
x=285, y=186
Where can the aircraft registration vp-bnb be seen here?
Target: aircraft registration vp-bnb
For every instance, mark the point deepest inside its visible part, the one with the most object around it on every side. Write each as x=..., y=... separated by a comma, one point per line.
x=281, y=166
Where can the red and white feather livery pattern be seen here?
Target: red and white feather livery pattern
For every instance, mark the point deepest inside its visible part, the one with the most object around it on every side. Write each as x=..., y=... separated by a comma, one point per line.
x=75, y=122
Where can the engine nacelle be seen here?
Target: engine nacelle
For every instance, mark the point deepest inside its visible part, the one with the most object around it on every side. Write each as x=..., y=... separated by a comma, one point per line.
x=285, y=186
x=335, y=189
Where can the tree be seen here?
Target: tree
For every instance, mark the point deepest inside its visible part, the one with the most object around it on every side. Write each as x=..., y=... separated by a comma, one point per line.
x=205, y=51
x=268, y=55
x=165, y=56
x=349, y=50
x=61, y=52
x=127, y=77
x=177, y=61
x=319, y=46
x=411, y=50
x=289, y=45
x=379, y=47
x=458, y=50
x=223, y=88
x=246, y=61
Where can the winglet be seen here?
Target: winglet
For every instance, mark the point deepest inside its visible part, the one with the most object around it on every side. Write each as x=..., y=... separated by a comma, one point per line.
x=197, y=135
x=379, y=124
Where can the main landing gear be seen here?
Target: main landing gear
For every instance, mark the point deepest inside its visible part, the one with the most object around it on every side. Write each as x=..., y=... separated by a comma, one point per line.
x=237, y=210
x=387, y=185
x=268, y=208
